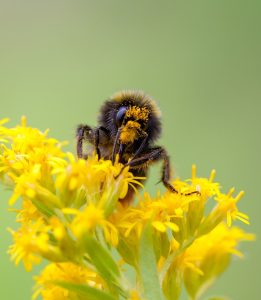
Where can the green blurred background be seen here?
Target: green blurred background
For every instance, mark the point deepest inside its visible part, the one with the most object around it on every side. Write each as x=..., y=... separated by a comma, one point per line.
x=200, y=60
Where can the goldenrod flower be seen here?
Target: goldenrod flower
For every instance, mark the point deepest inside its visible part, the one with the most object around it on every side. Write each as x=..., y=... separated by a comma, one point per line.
x=28, y=212
x=209, y=256
x=87, y=220
x=64, y=272
x=71, y=216
x=30, y=240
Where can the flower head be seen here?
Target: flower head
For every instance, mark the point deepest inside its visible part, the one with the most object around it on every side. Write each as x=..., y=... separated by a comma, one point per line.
x=67, y=272
x=71, y=215
x=29, y=241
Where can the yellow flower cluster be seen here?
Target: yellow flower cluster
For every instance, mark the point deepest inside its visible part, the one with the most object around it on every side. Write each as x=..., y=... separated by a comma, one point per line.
x=68, y=272
x=70, y=215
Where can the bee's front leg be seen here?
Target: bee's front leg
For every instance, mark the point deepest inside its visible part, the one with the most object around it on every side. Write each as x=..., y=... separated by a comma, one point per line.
x=92, y=136
x=82, y=134
x=141, y=147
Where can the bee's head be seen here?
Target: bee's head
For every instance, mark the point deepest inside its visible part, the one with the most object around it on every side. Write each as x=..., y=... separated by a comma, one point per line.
x=133, y=115
x=132, y=121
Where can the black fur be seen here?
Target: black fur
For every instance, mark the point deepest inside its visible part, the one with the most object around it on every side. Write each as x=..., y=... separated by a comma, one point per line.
x=133, y=98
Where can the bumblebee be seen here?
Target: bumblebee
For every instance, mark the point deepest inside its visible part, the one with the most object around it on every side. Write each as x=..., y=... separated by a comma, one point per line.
x=128, y=125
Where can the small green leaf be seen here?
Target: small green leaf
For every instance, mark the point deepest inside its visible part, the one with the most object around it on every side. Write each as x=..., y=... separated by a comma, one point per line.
x=85, y=291
x=172, y=282
x=161, y=244
x=148, y=267
x=128, y=252
x=102, y=259
x=104, y=264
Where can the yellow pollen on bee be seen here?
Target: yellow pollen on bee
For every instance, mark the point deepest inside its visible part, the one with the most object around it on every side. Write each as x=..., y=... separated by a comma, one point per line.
x=129, y=132
x=138, y=113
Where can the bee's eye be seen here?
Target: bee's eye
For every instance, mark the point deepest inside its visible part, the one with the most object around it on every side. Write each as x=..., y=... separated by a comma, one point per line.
x=120, y=115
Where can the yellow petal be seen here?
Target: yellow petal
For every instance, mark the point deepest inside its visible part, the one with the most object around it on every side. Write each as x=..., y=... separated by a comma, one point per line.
x=172, y=226
x=159, y=226
x=70, y=211
x=73, y=183
x=124, y=190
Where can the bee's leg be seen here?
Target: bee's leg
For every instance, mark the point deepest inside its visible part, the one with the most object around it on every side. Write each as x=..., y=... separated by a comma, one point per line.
x=96, y=141
x=101, y=136
x=81, y=132
x=154, y=155
x=121, y=151
x=121, y=148
x=114, y=150
x=92, y=135
x=141, y=147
